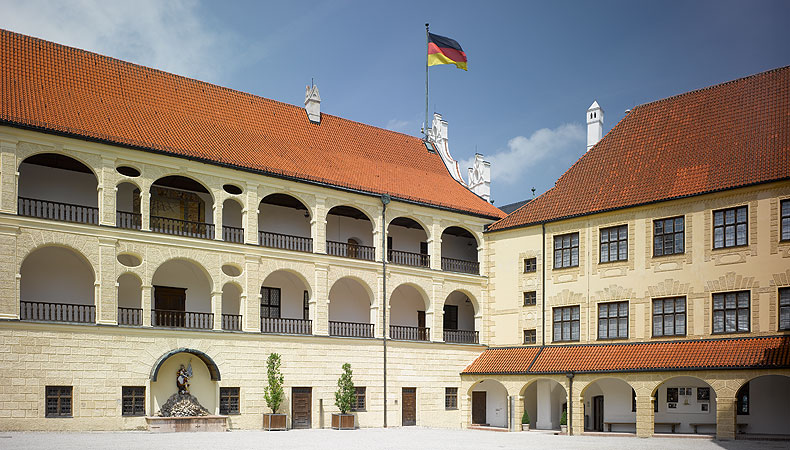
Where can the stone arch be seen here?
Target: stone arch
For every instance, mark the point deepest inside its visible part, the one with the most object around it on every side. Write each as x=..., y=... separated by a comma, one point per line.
x=609, y=399
x=265, y=274
x=413, y=217
x=544, y=399
x=187, y=175
x=203, y=384
x=684, y=408
x=57, y=186
x=760, y=404
x=288, y=300
x=475, y=235
x=283, y=213
x=193, y=261
x=494, y=401
x=35, y=150
x=186, y=291
x=212, y=366
x=232, y=292
x=351, y=302
x=420, y=290
x=345, y=222
x=408, y=312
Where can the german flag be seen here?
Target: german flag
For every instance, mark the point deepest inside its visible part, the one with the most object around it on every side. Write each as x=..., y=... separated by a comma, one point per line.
x=443, y=50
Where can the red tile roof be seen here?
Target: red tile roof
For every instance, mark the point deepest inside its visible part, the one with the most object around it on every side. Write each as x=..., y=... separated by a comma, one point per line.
x=59, y=89
x=722, y=137
x=731, y=353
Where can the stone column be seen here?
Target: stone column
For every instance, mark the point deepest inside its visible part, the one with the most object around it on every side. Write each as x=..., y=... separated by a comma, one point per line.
x=106, y=299
x=9, y=273
x=107, y=192
x=518, y=410
x=252, y=309
x=577, y=409
x=726, y=408
x=379, y=307
x=435, y=246
x=148, y=300
x=318, y=226
x=645, y=416
x=217, y=220
x=321, y=299
x=543, y=421
x=8, y=176
x=250, y=213
x=437, y=303
x=145, y=207
x=216, y=308
x=379, y=249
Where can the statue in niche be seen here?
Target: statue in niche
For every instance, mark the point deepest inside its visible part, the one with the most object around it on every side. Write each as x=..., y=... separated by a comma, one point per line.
x=182, y=378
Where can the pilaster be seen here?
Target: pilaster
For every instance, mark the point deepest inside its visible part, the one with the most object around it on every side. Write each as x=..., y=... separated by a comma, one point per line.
x=107, y=192
x=321, y=297
x=318, y=226
x=106, y=299
x=645, y=416
x=216, y=308
x=437, y=303
x=8, y=176
x=145, y=207
x=518, y=410
x=9, y=274
x=251, y=314
x=435, y=246
x=148, y=299
x=217, y=220
x=725, y=418
x=250, y=213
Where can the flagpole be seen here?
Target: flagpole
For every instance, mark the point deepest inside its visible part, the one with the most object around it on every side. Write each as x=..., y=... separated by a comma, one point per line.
x=425, y=127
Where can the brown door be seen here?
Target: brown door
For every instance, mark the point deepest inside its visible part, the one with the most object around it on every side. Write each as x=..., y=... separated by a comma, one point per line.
x=421, y=333
x=302, y=400
x=173, y=302
x=409, y=404
x=479, y=408
x=597, y=413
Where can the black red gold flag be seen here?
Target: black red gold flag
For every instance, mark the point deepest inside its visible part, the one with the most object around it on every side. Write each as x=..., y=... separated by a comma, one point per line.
x=443, y=50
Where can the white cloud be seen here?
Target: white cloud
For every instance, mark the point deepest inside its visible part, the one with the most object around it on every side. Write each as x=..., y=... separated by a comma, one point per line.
x=167, y=35
x=397, y=125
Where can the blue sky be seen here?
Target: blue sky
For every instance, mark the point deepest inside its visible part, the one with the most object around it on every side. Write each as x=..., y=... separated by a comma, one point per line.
x=534, y=67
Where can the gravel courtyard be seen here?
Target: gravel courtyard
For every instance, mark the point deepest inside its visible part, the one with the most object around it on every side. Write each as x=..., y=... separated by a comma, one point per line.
x=369, y=438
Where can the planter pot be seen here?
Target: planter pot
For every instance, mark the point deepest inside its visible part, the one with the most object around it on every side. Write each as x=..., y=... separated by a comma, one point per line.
x=564, y=429
x=343, y=421
x=524, y=427
x=274, y=422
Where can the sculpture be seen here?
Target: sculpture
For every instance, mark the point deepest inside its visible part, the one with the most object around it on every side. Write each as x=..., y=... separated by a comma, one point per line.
x=182, y=379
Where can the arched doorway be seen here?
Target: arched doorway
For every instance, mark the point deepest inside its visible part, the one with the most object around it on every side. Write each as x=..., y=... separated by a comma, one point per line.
x=181, y=206
x=284, y=222
x=489, y=404
x=762, y=407
x=459, y=319
x=232, y=226
x=544, y=400
x=182, y=296
x=685, y=405
x=408, y=307
x=407, y=243
x=127, y=207
x=459, y=251
x=231, y=307
x=609, y=405
x=285, y=304
x=130, y=300
x=203, y=383
x=349, y=309
x=349, y=233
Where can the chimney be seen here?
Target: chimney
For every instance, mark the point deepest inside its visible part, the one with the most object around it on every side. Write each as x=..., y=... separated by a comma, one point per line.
x=594, y=124
x=312, y=104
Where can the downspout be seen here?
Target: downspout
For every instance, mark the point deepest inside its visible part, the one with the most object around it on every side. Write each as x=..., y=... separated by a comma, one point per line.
x=385, y=199
x=570, y=403
x=543, y=285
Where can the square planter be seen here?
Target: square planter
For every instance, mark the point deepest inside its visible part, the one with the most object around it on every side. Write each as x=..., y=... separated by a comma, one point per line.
x=343, y=421
x=524, y=427
x=274, y=422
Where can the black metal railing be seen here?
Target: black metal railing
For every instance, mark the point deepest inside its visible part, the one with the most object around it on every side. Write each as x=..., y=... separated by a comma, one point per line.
x=351, y=329
x=408, y=258
x=460, y=265
x=231, y=322
x=232, y=234
x=57, y=312
x=130, y=316
x=180, y=227
x=128, y=220
x=285, y=241
x=347, y=250
x=461, y=336
x=402, y=333
x=286, y=326
x=182, y=319
x=65, y=212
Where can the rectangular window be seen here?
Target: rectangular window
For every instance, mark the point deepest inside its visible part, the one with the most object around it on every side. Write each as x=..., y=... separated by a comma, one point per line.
x=784, y=308
x=423, y=248
x=530, y=337
x=229, y=400
x=359, y=399
x=731, y=312
x=729, y=227
x=669, y=236
x=451, y=398
x=133, y=401
x=785, y=213
x=270, y=302
x=566, y=323
x=742, y=399
x=530, y=265
x=614, y=244
x=633, y=400
x=58, y=400
x=669, y=316
x=306, y=306
x=530, y=298
x=613, y=320
x=566, y=250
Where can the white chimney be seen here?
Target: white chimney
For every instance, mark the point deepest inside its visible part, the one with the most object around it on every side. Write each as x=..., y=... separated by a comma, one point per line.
x=312, y=104
x=594, y=124
x=480, y=178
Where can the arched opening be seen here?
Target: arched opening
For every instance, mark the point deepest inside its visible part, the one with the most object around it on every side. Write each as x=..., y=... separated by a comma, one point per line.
x=57, y=285
x=489, y=404
x=609, y=405
x=349, y=309
x=57, y=187
x=349, y=233
x=202, y=384
x=127, y=207
x=232, y=227
x=544, y=401
x=459, y=319
x=130, y=300
x=182, y=296
x=407, y=243
x=407, y=314
x=181, y=206
x=285, y=304
x=231, y=307
x=284, y=222
x=685, y=405
x=459, y=251
x=761, y=407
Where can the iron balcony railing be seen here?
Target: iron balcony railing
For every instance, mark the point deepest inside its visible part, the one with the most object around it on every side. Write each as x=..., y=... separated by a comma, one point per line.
x=130, y=316
x=351, y=329
x=347, y=250
x=408, y=258
x=231, y=322
x=461, y=266
x=232, y=234
x=57, y=312
x=403, y=333
x=64, y=212
x=286, y=326
x=180, y=227
x=128, y=220
x=461, y=336
x=182, y=319
x=285, y=241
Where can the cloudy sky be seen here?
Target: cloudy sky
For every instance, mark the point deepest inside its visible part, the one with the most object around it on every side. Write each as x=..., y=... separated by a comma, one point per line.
x=534, y=68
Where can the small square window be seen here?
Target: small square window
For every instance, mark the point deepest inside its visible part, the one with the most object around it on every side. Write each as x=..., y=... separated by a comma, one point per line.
x=359, y=399
x=133, y=401
x=58, y=401
x=530, y=298
x=530, y=337
x=530, y=265
x=229, y=401
x=451, y=398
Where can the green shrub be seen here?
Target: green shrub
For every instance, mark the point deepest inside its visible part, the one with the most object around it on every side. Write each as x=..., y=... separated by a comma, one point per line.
x=564, y=418
x=344, y=396
x=525, y=417
x=273, y=392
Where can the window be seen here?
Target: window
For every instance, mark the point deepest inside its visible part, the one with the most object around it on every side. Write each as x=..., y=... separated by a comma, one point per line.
x=784, y=308
x=451, y=398
x=270, y=302
x=729, y=227
x=229, y=400
x=785, y=213
x=530, y=298
x=306, y=306
x=614, y=244
x=566, y=250
x=58, y=401
x=530, y=337
x=633, y=400
x=669, y=236
x=423, y=248
x=613, y=320
x=133, y=401
x=742, y=400
x=359, y=399
x=530, y=265
x=669, y=316
x=731, y=312
x=566, y=323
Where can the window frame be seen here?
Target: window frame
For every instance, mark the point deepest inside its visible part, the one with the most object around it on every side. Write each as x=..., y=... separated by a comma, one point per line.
x=571, y=247
x=450, y=398
x=360, y=399
x=559, y=311
x=724, y=309
x=530, y=265
x=132, y=400
x=608, y=318
x=735, y=224
x=226, y=396
x=784, y=219
x=268, y=305
x=783, y=307
x=620, y=242
x=534, y=336
x=664, y=234
x=60, y=394
x=530, y=298
x=673, y=313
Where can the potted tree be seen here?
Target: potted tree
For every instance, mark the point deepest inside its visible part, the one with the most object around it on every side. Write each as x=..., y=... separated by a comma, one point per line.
x=525, y=421
x=564, y=422
x=344, y=400
x=273, y=394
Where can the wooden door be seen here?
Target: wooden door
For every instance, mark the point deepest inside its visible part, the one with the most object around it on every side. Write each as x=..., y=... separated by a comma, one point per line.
x=450, y=317
x=479, y=408
x=301, y=407
x=421, y=333
x=171, y=299
x=597, y=413
x=409, y=404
